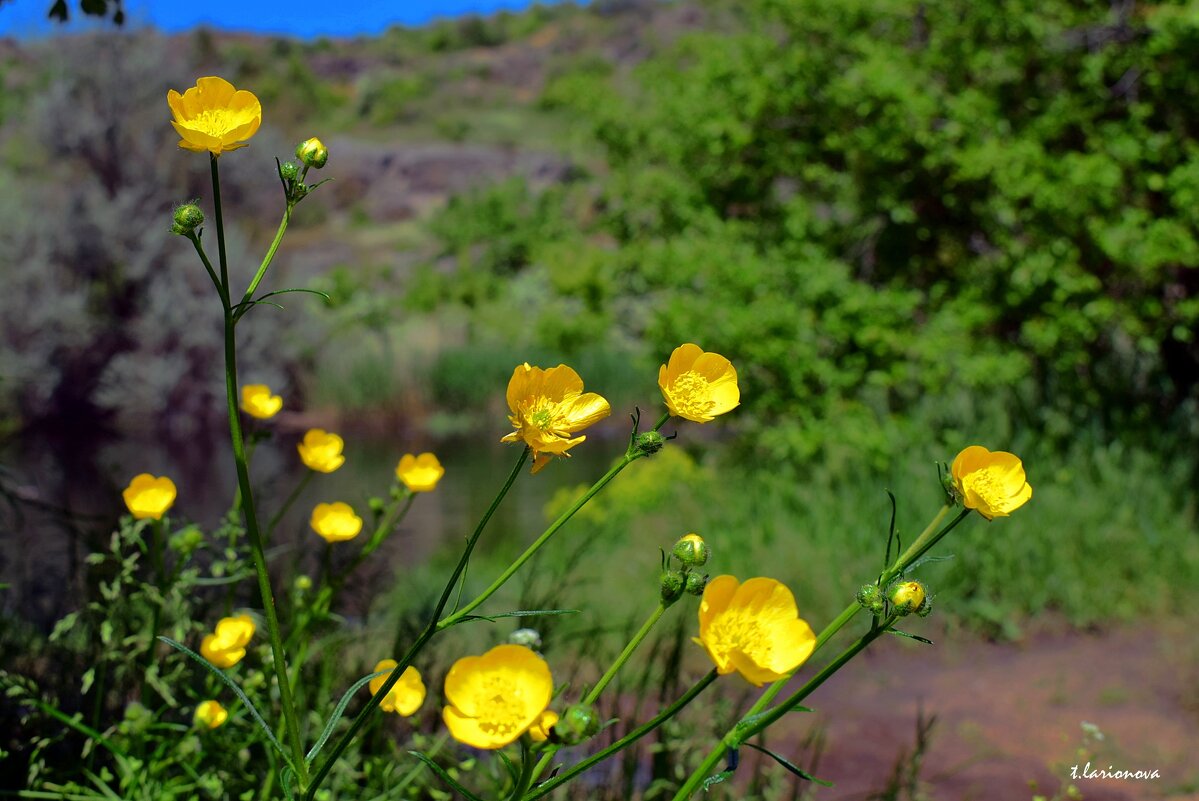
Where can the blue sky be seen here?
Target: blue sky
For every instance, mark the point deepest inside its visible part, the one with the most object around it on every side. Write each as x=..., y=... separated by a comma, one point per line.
x=304, y=18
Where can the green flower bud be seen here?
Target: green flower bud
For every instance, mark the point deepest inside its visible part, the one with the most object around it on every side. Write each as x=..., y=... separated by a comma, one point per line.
x=288, y=171
x=186, y=219
x=313, y=153
x=871, y=599
x=692, y=551
x=186, y=540
x=672, y=585
x=696, y=584
x=529, y=638
x=303, y=583
x=647, y=443
x=579, y=722
x=907, y=597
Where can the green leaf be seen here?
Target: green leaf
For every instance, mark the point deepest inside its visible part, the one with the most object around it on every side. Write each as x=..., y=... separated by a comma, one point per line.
x=445, y=777
x=232, y=685
x=340, y=710
x=786, y=763
x=513, y=771
x=915, y=637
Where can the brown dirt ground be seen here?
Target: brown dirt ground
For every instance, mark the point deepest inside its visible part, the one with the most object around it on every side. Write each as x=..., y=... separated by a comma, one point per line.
x=1009, y=716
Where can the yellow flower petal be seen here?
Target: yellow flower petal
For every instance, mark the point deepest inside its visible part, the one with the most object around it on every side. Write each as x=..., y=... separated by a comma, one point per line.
x=547, y=406
x=753, y=628
x=335, y=522
x=214, y=116
x=210, y=714
x=149, y=497
x=227, y=645
x=419, y=473
x=406, y=695
x=496, y=697
x=257, y=401
x=698, y=386
x=992, y=483
x=321, y=451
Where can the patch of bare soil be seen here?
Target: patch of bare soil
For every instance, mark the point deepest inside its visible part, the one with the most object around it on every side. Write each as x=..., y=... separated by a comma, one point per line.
x=1009, y=717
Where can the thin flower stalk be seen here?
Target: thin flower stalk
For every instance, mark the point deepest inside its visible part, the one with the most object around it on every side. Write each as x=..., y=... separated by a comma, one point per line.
x=247, y=502
x=415, y=648
x=926, y=540
x=624, y=742
x=629, y=457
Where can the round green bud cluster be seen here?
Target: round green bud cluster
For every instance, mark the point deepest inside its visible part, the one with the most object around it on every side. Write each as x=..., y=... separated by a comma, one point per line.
x=186, y=540
x=907, y=597
x=696, y=584
x=313, y=153
x=870, y=597
x=692, y=551
x=579, y=722
x=303, y=583
x=288, y=171
x=648, y=443
x=186, y=219
x=672, y=584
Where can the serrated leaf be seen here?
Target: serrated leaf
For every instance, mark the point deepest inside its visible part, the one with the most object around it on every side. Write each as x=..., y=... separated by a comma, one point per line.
x=786, y=763
x=446, y=777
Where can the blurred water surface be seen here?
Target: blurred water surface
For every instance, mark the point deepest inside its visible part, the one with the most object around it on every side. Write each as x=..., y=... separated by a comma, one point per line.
x=62, y=499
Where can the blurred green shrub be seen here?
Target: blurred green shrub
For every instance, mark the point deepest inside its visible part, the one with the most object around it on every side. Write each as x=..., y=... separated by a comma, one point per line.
x=862, y=205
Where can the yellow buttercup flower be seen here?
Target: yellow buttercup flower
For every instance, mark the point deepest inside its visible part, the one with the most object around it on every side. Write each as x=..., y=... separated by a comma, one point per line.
x=419, y=473
x=539, y=732
x=147, y=496
x=753, y=628
x=214, y=116
x=321, y=451
x=336, y=522
x=211, y=714
x=227, y=645
x=406, y=695
x=991, y=483
x=257, y=401
x=547, y=407
x=496, y=697
x=698, y=386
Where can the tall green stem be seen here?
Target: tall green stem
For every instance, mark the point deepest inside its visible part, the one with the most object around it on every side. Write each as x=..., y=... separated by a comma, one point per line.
x=926, y=540
x=624, y=742
x=594, y=693
x=247, y=499
x=512, y=569
x=287, y=504
x=244, y=305
x=743, y=731
x=426, y=634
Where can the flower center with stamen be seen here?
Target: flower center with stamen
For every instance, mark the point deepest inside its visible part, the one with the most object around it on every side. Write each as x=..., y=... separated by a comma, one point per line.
x=505, y=714
x=542, y=418
x=740, y=632
x=213, y=122
x=691, y=394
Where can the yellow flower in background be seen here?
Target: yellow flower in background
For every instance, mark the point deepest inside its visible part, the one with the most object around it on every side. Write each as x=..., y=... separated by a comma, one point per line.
x=539, y=732
x=419, y=473
x=210, y=714
x=214, y=116
x=147, y=496
x=257, y=401
x=991, y=483
x=698, y=386
x=321, y=451
x=336, y=522
x=496, y=697
x=406, y=695
x=547, y=407
x=227, y=646
x=753, y=628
